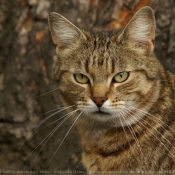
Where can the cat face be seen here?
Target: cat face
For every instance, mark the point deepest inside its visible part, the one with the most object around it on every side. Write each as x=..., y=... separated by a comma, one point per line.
x=107, y=75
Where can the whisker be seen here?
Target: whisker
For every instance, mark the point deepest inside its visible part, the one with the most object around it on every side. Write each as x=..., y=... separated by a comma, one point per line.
x=124, y=129
x=135, y=138
x=45, y=139
x=150, y=115
x=48, y=137
x=80, y=121
x=154, y=135
x=65, y=137
x=69, y=114
x=90, y=124
x=51, y=111
x=62, y=109
x=42, y=121
x=111, y=121
x=158, y=132
x=132, y=100
x=46, y=93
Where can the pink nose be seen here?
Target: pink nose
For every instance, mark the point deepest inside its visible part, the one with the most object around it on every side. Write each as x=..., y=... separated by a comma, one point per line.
x=99, y=100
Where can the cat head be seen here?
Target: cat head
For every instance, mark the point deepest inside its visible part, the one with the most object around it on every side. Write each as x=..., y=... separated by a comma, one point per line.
x=107, y=75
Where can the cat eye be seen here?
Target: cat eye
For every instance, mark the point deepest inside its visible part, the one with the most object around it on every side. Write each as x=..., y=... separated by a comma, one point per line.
x=81, y=78
x=121, y=77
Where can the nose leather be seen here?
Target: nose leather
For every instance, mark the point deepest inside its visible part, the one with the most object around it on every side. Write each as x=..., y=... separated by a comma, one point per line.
x=99, y=100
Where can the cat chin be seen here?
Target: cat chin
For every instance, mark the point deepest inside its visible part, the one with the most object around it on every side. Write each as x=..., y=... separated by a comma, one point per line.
x=111, y=119
x=102, y=113
x=101, y=120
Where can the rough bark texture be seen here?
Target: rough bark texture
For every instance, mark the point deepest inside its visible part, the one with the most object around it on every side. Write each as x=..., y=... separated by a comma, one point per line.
x=27, y=58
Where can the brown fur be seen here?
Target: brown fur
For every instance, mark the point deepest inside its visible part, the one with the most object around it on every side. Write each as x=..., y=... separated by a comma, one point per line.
x=137, y=129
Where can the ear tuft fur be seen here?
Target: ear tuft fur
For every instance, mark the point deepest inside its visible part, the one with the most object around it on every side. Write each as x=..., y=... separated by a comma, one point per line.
x=140, y=31
x=64, y=33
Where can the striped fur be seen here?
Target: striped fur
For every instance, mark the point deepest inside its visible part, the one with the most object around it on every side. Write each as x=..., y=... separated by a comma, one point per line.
x=135, y=128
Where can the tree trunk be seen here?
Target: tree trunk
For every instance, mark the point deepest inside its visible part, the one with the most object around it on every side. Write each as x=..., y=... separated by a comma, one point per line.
x=27, y=58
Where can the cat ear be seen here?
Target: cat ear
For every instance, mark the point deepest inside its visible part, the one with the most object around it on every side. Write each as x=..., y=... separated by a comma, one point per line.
x=140, y=31
x=65, y=34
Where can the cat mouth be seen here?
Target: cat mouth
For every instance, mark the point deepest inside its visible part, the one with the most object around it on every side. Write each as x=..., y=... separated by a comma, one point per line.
x=101, y=113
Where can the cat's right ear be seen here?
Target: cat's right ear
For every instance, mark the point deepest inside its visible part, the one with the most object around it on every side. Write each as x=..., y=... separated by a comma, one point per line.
x=64, y=34
x=140, y=31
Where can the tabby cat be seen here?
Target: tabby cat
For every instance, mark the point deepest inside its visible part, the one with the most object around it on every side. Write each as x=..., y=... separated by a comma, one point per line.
x=123, y=97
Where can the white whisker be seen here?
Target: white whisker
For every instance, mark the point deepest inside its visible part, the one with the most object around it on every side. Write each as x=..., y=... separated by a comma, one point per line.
x=41, y=122
x=150, y=115
x=46, y=93
x=69, y=114
x=154, y=135
x=65, y=136
x=48, y=137
x=124, y=129
x=159, y=132
x=135, y=138
x=51, y=111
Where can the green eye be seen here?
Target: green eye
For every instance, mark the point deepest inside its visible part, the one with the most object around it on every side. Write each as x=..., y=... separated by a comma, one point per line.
x=82, y=79
x=121, y=77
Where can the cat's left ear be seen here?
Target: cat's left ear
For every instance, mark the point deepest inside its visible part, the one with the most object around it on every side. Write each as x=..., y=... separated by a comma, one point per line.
x=140, y=31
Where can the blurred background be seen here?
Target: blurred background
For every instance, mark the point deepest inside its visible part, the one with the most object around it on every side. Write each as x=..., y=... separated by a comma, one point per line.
x=27, y=58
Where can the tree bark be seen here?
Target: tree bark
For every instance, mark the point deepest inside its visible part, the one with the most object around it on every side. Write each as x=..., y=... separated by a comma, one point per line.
x=27, y=58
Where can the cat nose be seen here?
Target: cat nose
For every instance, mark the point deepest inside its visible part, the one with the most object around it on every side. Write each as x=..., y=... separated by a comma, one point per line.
x=99, y=100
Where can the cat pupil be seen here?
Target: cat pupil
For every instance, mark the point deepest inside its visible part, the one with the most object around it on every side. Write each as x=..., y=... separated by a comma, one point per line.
x=121, y=75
